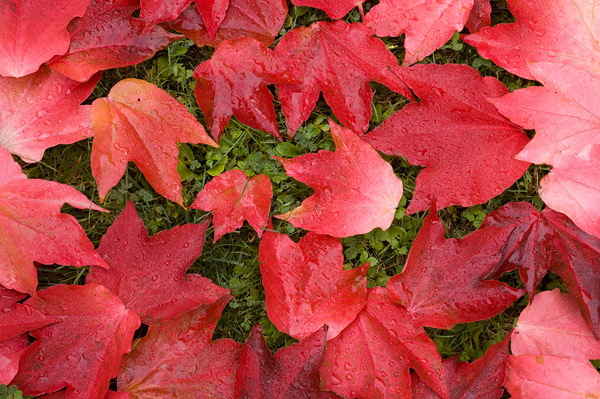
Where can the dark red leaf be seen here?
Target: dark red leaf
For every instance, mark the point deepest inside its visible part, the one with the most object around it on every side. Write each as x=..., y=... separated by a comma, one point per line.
x=177, y=359
x=480, y=16
x=371, y=358
x=464, y=142
x=234, y=82
x=234, y=198
x=293, y=373
x=482, y=379
x=109, y=37
x=259, y=19
x=335, y=9
x=338, y=59
x=305, y=286
x=148, y=274
x=83, y=351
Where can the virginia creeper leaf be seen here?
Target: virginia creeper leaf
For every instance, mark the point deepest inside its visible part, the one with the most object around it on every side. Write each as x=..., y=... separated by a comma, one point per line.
x=480, y=16
x=482, y=379
x=259, y=19
x=33, y=31
x=436, y=299
x=177, y=359
x=63, y=395
x=533, y=377
x=465, y=144
x=83, y=351
x=42, y=110
x=148, y=274
x=17, y=318
x=305, y=286
x=552, y=325
x=335, y=9
x=33, y=229
x=371, y=358
x=10, y=353
x=427, y=25
x=140, y=122
x=293, y=373
x=234, y=198
x=213, y=11
x=234, y=82
x=338, y=59
x=355, y=189
x=560, y=31
x=109, y=37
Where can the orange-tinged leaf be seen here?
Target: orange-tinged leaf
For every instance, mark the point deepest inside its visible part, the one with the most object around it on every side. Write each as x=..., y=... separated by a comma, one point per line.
x=142, y=123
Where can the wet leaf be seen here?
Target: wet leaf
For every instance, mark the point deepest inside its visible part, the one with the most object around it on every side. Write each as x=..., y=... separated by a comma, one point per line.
x=335, y=9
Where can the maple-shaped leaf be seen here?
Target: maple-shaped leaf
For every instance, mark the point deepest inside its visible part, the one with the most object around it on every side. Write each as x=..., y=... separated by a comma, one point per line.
x=177, y=359
x=148, y=274
x=435, y=299
x=234, y=82
x=427, y=25
x=305, y=286
x=573, y=187
x=356, y=190
x=535, y=377
x=552, y=325
x=234, y=198
x=335, y=9
x=293, y=373
x=480, y=16
x=371, y=358
x=33, y=229
x=550, y=240
x=142, y=123
x=259, y=19
x=213, y=11
x=338, y=59
x=42, y=110
x=84, y=350
x=109, y=37
x=482, y=379
x=466, y=146
x=560, y=31
x=33, y=31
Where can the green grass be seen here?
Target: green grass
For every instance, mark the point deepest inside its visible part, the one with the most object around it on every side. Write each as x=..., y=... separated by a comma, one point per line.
x=233, y=261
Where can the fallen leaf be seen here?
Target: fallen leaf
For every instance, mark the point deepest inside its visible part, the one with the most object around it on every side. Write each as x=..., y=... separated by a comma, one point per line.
x=10, y=354
x=213, y=11
x=356, y=191
x=305, y=286
x=148, y=274
x=234, y=198
x=140, y=122
x=480, y=16
x=43, y=110
x=335, y=9
x=234, y=82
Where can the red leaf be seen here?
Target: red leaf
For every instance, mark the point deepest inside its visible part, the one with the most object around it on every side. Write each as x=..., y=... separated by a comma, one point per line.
x=258, y=19
x=10, y=353
x=234, y=82
x=355, y=189
x=533, y=377
x=437, y=299
x=371, y=358
x=33, y=229
x=293, y=373
x=139, y=122
x=335, y=9
x=466, y=145
x=338, y=59
x=213, y=12
x=234, y=198
x=560, y=31
x=148, y=274
x=305, y=286
x=84, y=350
x=33, y=31
x=63, y=394
x=480, y=16
x=177, y=359
x=427, y=25
x=482, y=379
x=42, y=110
x=108, y=37
x=552, y=325
x=16, y=318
